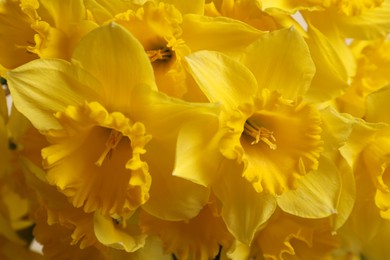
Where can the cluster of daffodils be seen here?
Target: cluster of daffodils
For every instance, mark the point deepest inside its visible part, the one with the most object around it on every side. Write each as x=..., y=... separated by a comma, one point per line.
x=174, y=129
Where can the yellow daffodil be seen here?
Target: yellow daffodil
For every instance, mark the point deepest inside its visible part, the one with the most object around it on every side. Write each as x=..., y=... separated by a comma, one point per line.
x=289, y=237
x=372, y=74
x=101, y=105
x=197, y=238
x=17, y=35
x=43, y=29
x=170, y=31
x=256, y=114
x=367, y=151
x=58, y=26
x=257, y=109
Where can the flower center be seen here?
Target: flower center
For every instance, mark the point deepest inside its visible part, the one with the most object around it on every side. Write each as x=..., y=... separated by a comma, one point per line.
x=260, y=134
x=162, y=54
x=111, y=143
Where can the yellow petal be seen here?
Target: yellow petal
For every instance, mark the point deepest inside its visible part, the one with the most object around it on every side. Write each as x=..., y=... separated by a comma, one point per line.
x=63, y=14
x=243, y=209
x=327, y=26
x=198, y=158
x=153, y=249
x=291, y=6
x=222, y=79
x=43, y=87
x=112, y=55
x=331, y=76
x=125, y=236
x=362, y=134
x=281, y=61
x=376, y=104
x=316, y=194
x=196, y=238
x=336, y=129
x=217, y=33
x=165, y=201
x=347, y=197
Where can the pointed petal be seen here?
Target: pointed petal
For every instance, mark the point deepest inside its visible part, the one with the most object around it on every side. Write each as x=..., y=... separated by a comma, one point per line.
x=336, y=129
x=62, y=13
x=316, y=194
x=222, y=79
x=290, y=6
x=118, y=61
x=126, y=237
x=197, y=157
x=362, y=134
x=243, y=209
x=376, y=104
x=347, y=196
x=331, y=30
x=280, y=60
x=171, y=198
x=331, y=76
x=42, y=87
x=217, y=33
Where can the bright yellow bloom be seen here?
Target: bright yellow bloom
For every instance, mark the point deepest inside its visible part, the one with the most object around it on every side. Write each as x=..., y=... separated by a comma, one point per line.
x=41, y=29
x=17, y=35
x=256, y=115
x=196, y=238
x=273, y=135
x=289, y=237
x=58, y=26
x=104, y=105
x=170, y=31
x=367, y=225
x=372, y=74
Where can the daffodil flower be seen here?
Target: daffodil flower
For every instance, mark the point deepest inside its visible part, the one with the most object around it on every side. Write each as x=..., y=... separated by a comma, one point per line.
x=198, y=238
x=99, y=112
x=171, y=31
x=286, y=236
x=272, y=134
x=372, y=75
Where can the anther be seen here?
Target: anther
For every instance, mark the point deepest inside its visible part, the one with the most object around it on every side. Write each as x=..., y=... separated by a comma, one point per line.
x=111, y=143
x=260, y=134
x=159, y=54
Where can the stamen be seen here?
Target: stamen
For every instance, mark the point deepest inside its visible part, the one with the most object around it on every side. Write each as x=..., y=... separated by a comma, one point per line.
x=111, y=143
x=159, y=54
x=260, y=134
